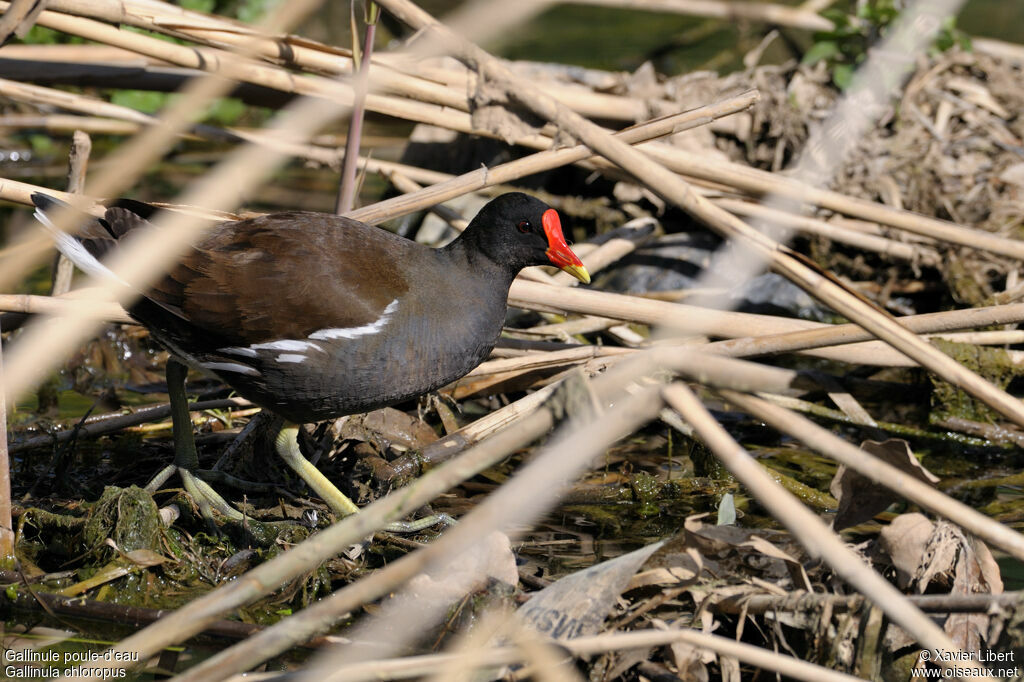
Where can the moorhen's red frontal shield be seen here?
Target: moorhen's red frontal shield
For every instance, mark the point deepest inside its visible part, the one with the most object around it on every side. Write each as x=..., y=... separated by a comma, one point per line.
x=558, y=251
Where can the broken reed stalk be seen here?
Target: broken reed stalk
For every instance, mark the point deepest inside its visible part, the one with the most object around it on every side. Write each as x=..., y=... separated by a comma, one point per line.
x=880, y=472
x=18, y=19
x=65, y=306
x=899, y=430
x=820, y=541
x=78, y=162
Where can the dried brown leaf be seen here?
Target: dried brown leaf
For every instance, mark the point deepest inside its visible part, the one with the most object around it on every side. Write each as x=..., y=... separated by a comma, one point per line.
x=905, y=540
x=388, y=425
x=860, y=499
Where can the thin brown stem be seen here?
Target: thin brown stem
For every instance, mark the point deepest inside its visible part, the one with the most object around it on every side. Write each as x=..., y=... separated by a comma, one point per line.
x=347, y=188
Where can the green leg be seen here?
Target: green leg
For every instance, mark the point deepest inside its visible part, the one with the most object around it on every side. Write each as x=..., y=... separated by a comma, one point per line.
x=185, y=455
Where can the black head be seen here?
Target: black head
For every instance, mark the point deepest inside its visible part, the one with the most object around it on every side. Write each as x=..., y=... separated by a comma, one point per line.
x=518, y=230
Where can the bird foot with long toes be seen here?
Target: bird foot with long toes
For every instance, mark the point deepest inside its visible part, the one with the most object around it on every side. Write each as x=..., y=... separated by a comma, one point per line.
x=287, y=445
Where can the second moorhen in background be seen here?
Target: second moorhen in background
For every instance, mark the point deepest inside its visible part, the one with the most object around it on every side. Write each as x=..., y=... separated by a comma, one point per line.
x=314, y=316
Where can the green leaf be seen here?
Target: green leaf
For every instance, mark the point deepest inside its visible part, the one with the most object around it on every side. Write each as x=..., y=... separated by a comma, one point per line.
x=140, y=100
x=837, y=17
x=842, y=75
x=825, y=49
x=226, y=111
x=198, y=5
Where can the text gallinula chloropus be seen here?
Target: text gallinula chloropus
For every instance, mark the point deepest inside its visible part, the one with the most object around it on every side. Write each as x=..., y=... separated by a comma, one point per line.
x=314, y=316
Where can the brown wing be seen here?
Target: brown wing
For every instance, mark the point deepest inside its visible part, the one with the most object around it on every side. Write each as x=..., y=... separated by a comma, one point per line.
x=285, y=276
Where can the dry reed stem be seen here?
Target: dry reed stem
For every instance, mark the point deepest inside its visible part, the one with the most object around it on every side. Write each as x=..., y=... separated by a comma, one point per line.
x=838, y=233
x=129, y=161
x=350, y=160
x=63, y=123
x=18, y=19
x=834, y=335
x=760, y=183
x=547, y=160
x=993, y=338
x=545, y=360
x=882, y=473
x=673, y=188
x=677, y=316
x=37, y=94
x=581, y=98
x=501, y=17
x=417, y=666
x=729, y=10
x=1012, y=52
x=819, y=541
x=106, y=311
x=235, y=68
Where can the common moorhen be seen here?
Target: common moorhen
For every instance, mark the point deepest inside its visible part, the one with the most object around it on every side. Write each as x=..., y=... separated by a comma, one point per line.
x=314, y=316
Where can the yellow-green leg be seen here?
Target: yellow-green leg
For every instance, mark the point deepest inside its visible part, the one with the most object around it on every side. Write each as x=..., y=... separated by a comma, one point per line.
x=287, y=445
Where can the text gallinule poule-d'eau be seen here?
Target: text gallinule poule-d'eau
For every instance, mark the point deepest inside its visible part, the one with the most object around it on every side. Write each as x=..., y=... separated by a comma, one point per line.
x=314, y=316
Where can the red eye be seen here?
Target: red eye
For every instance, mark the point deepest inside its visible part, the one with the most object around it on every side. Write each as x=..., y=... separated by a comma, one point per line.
x=523, y=226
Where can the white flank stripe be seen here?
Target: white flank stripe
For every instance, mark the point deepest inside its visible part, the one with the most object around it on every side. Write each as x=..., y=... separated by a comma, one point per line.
x=230, y=367
x=354, y=332
x=288, y=344
x=239, y=350
x=75, y=252
x=290, y=357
